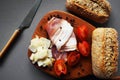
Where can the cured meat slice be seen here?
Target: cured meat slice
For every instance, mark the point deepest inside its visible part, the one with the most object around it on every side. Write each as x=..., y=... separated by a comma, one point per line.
x=59, y=31
x=71, y=44
x=52, y=26
x=59, y=55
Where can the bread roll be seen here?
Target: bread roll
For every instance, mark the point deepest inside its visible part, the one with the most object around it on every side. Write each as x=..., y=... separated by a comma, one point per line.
x=96, y=10
x=104, y=52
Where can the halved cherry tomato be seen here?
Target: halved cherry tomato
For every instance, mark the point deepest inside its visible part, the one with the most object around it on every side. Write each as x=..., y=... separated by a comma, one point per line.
x=82, y=32
x=84, y=48
x=60, y=67
x=73, y=58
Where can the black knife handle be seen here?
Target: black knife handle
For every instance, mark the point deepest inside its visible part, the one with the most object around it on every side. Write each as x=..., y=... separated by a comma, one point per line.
x=12, y=38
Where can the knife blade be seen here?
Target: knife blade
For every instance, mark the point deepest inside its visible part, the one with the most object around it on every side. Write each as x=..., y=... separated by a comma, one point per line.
x=25, y=24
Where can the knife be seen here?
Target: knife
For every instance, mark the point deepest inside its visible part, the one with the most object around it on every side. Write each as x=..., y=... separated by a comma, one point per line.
x=25, y=24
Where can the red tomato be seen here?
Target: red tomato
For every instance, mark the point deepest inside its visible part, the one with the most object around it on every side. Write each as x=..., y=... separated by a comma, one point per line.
x=60, y=67
x=84, y=48
x=82, y=32
x=73, y=58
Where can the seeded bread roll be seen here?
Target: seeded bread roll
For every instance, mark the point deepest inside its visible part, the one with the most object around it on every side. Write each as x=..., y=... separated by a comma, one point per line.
x=104, y=52
x=96, y=10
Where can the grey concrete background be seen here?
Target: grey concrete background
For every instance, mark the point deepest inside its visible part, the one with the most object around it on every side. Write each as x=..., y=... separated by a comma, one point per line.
x=15, y=65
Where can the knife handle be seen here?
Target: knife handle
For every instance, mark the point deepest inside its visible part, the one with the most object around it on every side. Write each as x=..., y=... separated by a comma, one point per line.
x=12, y=38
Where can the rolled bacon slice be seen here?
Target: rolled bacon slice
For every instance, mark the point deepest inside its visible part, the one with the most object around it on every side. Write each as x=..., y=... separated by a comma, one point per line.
x=61, y=34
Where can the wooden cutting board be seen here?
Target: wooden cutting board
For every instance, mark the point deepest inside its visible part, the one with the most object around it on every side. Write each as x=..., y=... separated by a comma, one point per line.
x=84, y=67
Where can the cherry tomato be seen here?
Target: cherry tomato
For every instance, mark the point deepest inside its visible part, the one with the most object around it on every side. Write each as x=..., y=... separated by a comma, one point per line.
x=84, y=48
x=82, y=32
x=60, y=67
x=73, y=58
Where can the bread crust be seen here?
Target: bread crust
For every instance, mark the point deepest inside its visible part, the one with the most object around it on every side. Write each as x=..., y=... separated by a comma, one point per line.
x=96, y=10
x=104, y=52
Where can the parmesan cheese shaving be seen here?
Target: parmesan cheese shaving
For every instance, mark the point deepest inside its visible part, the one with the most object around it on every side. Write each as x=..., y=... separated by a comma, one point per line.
x=41, y=54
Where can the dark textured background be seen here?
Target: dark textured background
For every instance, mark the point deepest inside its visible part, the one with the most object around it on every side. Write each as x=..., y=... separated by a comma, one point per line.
x=15, y=65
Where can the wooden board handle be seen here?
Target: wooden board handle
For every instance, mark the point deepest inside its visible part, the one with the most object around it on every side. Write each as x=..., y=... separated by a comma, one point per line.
x=14, y=35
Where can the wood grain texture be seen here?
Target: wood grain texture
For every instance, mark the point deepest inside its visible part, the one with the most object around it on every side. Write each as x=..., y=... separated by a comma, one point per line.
x=84, y=66
x=12, y=38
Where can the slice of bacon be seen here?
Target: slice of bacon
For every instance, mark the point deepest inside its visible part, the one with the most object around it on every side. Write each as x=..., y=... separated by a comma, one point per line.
x=61, y=34
x=70, y=45
x=59, y=55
